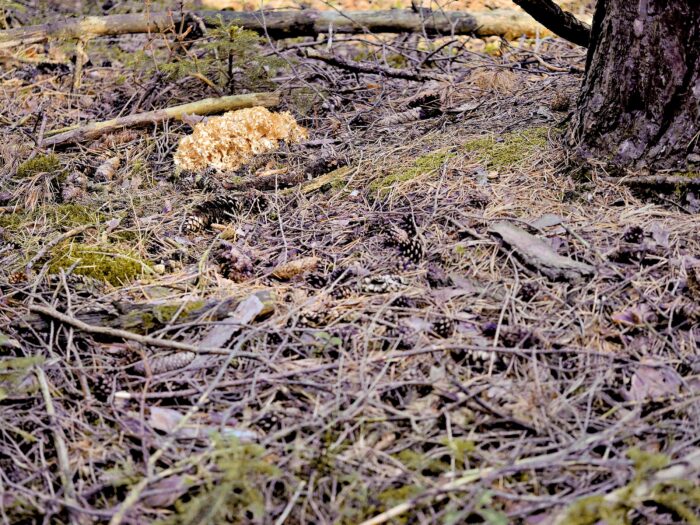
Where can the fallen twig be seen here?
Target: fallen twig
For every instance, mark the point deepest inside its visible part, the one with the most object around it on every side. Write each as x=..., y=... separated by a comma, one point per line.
x=375, y=69
x=60, y=444
x=656, y=181
x=143, y=339
x=206, y=106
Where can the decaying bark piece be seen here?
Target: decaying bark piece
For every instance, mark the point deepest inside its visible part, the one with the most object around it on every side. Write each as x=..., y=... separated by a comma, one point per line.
x=255, y=306
x=206, y=106
x=557, y=20
x=283, y=24
x=539, y=255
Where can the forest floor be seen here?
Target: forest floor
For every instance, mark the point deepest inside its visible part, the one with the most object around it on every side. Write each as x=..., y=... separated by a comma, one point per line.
x=378, y=349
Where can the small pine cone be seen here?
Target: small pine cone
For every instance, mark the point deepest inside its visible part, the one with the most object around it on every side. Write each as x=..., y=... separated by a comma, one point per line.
x=165, y=363
x=409, y=226
x=403, y=302
x=206, y=180
x=274, y=338
x=412, y=250
x=194, y=223
x=395, y=235
x=343, y=291
x=101, y=388
x=444, y=327
x=316, y=280
x=528, y=291
x=233, y=263
x=313, y=320
x=268, y=422
x=17, y=278
x=222, y=208
x=634, y=235
x=383, y=284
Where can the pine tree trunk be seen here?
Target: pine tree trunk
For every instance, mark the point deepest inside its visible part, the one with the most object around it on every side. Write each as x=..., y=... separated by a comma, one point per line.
x=639, y=106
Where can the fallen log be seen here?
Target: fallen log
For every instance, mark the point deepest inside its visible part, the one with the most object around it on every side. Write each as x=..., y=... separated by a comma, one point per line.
x=284, y=24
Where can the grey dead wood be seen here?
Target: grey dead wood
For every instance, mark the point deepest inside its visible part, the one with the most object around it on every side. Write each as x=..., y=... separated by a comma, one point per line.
x=256, y=305
x=205, y=106
x=537, y=254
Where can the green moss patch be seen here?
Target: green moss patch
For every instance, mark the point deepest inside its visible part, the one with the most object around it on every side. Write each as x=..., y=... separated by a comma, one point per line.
x=39, y=164
x=106, y=263
x=422, y=165
x=74, y=215
x=679, y=496
x=231, y=488
x=511, y=149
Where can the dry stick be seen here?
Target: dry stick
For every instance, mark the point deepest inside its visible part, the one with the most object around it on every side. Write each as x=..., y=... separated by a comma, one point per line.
x=59, y=442
x=557, y=20
x=54, y=242
x=373, y=69
x=284, y=24
x=143, y=339
x=201, y=107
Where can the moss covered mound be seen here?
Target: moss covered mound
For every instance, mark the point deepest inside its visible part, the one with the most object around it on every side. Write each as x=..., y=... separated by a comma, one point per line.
x=104, y=262
x=39, y=164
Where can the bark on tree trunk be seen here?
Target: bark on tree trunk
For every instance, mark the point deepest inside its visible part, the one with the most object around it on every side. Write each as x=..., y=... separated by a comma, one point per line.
x=639, y=107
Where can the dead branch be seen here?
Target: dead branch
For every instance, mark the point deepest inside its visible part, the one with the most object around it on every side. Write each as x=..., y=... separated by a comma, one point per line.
x=201, y=107
x=375, y=69
x=116, y=333
x=282, y=24
x=557, y=20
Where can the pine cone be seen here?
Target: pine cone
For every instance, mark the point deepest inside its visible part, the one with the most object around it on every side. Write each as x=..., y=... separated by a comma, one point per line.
x=412, y=250
x=16, y=278
x=382, y=283
x=444, y=327
x=101, y=388
x=343, y=291
x=316, y=280
x=233, y=263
